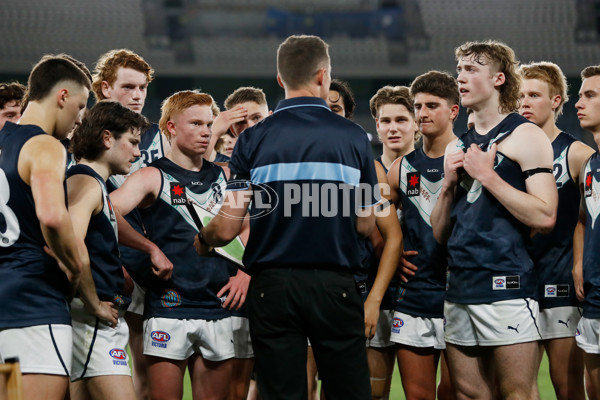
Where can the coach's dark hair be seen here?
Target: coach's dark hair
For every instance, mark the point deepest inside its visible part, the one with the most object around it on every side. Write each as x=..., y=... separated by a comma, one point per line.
x=51, y=70
x=299, y=57
x=588, y=72
x=440, y=84
x=11, y=91
x=106, y=115
x=502, y=59
x=344, y=90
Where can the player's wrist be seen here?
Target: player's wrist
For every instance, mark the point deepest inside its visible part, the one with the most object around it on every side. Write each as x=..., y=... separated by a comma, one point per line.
x=201, y=238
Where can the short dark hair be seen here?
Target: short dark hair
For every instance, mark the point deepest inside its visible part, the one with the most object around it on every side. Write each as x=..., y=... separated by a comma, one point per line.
x=11, y=91
x=440, y=84
x=344, y=90
x=51, y=70
x=105, y=115
x=588, y=72
x=244, y=95
x=299, y=57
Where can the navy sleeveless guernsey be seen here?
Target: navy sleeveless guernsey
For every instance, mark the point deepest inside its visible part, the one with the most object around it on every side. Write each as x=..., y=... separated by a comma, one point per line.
x=191, y=293
x=552, y=254
x=591, y=255
x=136, y=262
x=33, y=289
x=489, y=260
x=421, y=179
x=102, y=244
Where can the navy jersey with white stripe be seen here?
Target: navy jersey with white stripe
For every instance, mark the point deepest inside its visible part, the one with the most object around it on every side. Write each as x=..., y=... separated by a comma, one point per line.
x=553, y=253
x=32, y=287
x=136, y=262
x=192, y=291
x=591, y=255
x=488, y=253
x=102, y=245
x=305, y=164
x=420, y=183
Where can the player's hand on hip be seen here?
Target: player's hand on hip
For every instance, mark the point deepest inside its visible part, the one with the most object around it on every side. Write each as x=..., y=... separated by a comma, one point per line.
x=105, y=311
x=407, y=269
x=236, y=290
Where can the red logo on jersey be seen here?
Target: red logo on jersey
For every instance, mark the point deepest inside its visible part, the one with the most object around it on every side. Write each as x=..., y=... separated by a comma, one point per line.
x=588, y=184
x=178, y=193
x=414, y=184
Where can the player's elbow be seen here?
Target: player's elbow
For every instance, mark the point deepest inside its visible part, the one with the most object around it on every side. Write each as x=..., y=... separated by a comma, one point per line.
x=546, y=223
x=52, y=219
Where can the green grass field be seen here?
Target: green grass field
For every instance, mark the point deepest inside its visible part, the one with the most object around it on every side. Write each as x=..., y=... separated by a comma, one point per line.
x=545, y=386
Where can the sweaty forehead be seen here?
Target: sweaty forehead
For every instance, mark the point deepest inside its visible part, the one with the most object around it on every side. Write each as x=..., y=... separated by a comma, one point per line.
x=130, y=75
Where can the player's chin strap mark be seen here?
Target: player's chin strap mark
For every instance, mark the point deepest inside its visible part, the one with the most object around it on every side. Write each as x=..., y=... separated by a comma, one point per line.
x=533, y=171
x=383, y=206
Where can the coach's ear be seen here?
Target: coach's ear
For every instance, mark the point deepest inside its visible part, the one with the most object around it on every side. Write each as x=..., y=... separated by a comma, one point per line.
x=107, y=139
x=279, y=81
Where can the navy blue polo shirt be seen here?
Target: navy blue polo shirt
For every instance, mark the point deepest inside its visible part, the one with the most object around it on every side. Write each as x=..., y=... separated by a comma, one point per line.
x=310, y=170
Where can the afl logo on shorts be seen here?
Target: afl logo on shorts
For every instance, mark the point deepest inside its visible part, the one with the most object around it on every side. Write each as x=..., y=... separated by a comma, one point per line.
x=577, y=333
x=160, y=339
x=397, y=324
x=118, y=354
x=170, y=299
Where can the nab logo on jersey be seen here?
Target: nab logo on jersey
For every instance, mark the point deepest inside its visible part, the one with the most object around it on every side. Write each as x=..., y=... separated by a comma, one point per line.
x=178, y=193
x=588, y=184
x=119, y=356
x=397, y=324
x=160, y=339
x=413, y=184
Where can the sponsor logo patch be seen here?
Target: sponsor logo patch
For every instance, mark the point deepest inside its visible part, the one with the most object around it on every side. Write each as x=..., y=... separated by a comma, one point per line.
x=170, y=299
x=413, y=184
x=588, y=184
x=119, y=356
x=397, y=324
x=178, y=193
x=160, y=339
x=506, y=282
x=556, y=290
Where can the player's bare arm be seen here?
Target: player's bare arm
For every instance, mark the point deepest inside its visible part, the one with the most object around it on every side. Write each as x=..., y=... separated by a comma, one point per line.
x=531, y=149
x=162, y=267
x=440, y=216
x=388, y=225
x=221, y=125
x=406, y=269
x=578, y=237
x=85, y=200
x=579, y=153
x=42, y=166
x=140, y=189
x=227, y=224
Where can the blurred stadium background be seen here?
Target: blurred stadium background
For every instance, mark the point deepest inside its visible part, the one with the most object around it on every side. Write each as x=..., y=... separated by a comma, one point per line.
x=219, y=45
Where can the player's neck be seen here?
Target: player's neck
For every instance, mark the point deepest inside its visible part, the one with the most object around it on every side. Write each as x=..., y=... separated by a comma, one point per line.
x=550, y=129
x=596, y=133
x=40, y=115
x=486, y=119
x=388, y=156
x=191, y=163
x=306, y=91
x=435, y=145
x=101, y=168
